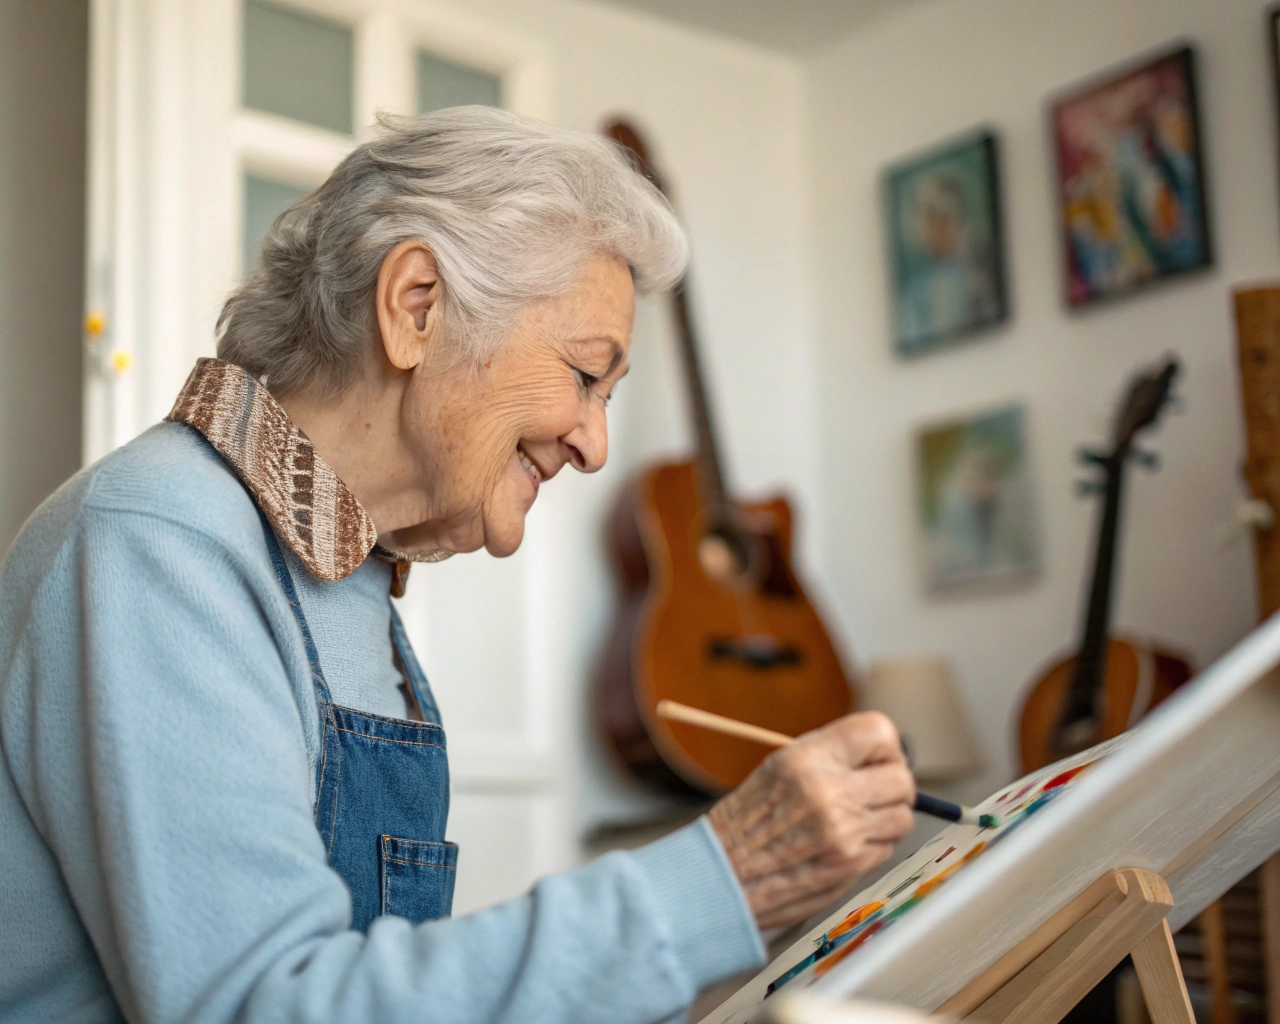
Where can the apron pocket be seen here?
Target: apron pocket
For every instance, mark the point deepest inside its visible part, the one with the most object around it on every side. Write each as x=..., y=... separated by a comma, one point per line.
x=416, y=878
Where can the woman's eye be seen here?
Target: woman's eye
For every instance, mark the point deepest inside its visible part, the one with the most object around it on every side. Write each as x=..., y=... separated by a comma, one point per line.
x=589, y=380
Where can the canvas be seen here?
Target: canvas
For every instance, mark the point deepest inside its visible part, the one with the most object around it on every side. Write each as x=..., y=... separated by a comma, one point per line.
x=1191, y=793
x=913, y=881
x=1131, y=180
x=945, y=247
x=976, y=510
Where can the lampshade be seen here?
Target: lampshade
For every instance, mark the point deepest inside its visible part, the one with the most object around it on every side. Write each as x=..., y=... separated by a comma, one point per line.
x=920, y=695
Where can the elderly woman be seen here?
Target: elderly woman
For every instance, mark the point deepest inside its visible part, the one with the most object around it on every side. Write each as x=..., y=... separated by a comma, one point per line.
x=224, y=785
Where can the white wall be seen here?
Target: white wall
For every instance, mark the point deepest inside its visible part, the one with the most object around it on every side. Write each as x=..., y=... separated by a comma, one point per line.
x=898, y=86
x=42, y=125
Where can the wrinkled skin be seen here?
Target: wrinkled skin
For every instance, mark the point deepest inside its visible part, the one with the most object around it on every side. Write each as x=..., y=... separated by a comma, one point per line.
x=434, y=448
x=815, y=816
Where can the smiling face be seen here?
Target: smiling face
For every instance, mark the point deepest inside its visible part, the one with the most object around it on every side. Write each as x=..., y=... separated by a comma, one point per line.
x=483, y=439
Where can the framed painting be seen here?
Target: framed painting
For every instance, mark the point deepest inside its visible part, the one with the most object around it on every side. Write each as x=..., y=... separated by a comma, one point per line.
x=946, y=248
x=977, y=514
x=1273, y=48
x=1130, y=183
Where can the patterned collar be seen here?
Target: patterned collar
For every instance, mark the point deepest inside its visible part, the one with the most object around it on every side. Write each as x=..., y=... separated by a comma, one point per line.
x=310, y=509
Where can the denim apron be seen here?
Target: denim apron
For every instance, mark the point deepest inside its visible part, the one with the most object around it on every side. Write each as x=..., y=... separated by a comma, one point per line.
x=382, y=789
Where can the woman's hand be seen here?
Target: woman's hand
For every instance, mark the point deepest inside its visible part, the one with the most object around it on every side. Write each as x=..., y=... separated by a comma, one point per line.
x=816, y=815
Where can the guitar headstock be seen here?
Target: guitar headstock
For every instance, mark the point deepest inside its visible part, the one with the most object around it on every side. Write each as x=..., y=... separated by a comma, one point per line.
x=625, y=135
x=1144, y=400
x=1143, y=403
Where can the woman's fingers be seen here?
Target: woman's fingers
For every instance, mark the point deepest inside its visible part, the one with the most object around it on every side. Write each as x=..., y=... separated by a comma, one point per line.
x=887, y=784
x=816, y=815
x=865, y=737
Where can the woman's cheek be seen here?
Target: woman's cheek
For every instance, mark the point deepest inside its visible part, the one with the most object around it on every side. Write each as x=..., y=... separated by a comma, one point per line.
x=504, y=516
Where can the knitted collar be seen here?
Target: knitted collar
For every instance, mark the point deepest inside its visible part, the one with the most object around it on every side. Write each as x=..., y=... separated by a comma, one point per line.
x=310, y=509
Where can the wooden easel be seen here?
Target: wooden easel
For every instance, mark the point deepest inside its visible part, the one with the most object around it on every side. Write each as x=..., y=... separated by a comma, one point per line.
x=1258, y=343
x=1123, y=913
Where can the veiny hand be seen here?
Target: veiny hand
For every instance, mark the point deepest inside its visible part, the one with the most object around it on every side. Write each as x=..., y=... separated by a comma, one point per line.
x=816, y=815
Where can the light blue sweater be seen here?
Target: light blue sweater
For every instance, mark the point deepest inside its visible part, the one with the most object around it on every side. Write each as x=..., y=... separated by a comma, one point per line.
x=158, y=855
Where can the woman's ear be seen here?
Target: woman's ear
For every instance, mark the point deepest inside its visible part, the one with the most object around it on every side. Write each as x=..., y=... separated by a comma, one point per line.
x=407, y=302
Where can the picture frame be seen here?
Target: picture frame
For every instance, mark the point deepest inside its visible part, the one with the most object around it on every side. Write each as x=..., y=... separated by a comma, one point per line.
x=945, y=233
x=977, y=512
x=1272, y=19
x=1130, y=178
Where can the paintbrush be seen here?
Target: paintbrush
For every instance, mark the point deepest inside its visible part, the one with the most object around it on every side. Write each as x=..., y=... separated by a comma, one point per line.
x=925, y=804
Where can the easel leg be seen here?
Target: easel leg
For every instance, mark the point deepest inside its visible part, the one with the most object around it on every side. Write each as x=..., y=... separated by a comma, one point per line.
x=1160, y=975
x=1271, y=935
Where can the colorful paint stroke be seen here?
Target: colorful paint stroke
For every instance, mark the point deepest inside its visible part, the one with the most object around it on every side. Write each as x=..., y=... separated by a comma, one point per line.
x=933, y=866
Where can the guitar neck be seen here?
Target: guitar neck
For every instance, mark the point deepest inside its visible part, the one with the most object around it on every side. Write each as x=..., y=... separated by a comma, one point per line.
x=710, y=472
x=1090, y=670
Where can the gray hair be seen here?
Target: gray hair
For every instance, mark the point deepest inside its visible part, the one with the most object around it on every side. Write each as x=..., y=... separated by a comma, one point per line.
x=510, y=207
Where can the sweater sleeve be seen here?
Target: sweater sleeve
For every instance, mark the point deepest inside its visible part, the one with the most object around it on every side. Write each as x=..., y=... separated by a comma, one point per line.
x=174, y=788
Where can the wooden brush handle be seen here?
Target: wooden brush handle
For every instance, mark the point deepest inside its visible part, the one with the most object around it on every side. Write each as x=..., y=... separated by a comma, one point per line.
x=678, y=712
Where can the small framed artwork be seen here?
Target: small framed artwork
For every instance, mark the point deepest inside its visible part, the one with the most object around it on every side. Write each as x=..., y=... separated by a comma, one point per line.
x=976, y=508
x=946, y=247
x=1131, y=188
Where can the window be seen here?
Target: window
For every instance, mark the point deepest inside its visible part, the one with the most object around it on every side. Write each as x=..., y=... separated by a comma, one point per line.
x=298, y=66
x=264, y=201
x=442, y=83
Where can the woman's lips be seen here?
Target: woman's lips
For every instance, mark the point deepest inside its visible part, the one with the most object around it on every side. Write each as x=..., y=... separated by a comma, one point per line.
x=531, y=471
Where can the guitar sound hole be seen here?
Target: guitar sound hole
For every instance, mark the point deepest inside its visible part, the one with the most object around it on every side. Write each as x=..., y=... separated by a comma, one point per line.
x=726, y=555
x=761, y=652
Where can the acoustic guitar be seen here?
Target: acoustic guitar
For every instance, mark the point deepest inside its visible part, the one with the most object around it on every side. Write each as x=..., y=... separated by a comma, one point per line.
x=1110, y=682
x=712, y=613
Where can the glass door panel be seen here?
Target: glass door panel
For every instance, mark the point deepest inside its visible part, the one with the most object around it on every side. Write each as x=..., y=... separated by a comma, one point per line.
x=299, y=66
x=442, y=83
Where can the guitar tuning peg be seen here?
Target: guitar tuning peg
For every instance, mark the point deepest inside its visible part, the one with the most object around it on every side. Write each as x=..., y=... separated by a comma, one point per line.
x=1255, y=514
x=1147, y=460
x=1087, y=488
x=1090, y=457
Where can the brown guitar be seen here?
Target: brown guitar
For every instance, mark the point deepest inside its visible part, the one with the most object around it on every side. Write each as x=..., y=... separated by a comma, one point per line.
x=1109, y=683
x=712, y=614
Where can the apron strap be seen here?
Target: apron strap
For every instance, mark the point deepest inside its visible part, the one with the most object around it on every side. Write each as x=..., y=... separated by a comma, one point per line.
x=413, y=671
x=281, y=568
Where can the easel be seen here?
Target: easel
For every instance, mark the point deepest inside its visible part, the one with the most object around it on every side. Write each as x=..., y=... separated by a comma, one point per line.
x=1121, y=914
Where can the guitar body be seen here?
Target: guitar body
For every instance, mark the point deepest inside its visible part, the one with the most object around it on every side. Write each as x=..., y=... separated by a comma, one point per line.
x=1136, y=678
x=751, y=647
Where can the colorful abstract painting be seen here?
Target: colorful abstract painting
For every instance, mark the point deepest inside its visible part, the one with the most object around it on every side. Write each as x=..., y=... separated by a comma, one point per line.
x=1131, y=180
x=945, y=248
x=907, y=886
x=977, y=513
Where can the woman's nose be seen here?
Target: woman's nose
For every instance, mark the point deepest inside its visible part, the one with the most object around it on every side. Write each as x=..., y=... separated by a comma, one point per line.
x=588, y=442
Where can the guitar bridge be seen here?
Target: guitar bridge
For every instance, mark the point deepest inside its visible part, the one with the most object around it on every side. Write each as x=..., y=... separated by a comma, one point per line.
x=762, y=652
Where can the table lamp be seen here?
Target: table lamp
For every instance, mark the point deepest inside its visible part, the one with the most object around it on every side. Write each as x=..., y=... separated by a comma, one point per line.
x=921, y=697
